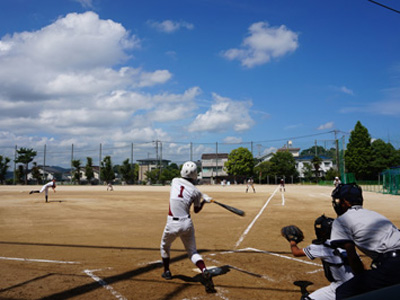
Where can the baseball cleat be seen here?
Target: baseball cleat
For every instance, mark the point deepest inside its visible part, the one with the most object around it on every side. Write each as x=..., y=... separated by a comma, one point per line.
x=167, y=275
x=30, y=192
x=208, y=282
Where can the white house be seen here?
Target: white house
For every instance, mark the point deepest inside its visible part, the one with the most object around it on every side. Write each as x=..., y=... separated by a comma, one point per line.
x=325, y=165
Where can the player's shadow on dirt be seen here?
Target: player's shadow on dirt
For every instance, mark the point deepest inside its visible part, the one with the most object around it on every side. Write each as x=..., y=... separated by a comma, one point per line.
x=217, y=271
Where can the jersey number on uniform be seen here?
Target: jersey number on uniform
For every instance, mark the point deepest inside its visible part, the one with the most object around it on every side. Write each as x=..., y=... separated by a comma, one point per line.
x=181, y=193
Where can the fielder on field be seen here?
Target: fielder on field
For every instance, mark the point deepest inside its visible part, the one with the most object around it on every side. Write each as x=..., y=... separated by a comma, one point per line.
x=45, y=189
x=250, y=183
x=179, y=224
x=337, y=181
x=282, y=185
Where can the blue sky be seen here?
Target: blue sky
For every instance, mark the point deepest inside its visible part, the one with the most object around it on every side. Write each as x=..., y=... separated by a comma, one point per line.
x=86, y=72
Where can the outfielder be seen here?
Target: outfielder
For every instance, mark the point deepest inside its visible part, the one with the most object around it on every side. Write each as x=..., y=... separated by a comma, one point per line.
x=370, y=232
x=45, y=189
x=179, y=224
x=334, y=261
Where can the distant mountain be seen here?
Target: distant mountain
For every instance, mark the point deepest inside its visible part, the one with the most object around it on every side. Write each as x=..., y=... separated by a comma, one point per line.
x=57, y=169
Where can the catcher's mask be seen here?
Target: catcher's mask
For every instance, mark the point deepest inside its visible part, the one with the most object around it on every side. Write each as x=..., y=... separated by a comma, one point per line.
x=189, y=170
x=323, y=227
x=350, y=192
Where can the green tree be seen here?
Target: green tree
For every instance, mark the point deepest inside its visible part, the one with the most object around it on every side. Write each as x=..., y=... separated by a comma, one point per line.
x=3, y=168
x=331, y=174
x=36, y=173
x=127, y=171
x=107, y=172
x=240, y=162
x=316, y=161
x=169, y=173
x=283, y=164
x=19, y=174
x=359, y=153
x=263, y=170
x=77, y=175
x=152, y=176
x=25, y=156
x=384, y=156
x=307, y=172
x=89, y=169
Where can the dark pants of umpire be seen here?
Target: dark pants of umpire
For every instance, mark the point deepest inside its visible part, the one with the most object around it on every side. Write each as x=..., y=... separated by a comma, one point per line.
x=386, y=274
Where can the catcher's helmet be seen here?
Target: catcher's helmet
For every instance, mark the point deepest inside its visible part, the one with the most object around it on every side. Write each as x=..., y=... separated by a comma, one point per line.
x=350, y=192
x=189, y=170
x=323, y=227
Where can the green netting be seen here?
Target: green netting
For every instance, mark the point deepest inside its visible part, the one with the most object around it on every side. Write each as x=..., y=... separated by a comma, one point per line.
x=391, y=181
x=349, y=178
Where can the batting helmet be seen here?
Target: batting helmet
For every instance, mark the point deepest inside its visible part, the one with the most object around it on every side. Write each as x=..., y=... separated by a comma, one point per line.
x=323, y=227
x=189, y=170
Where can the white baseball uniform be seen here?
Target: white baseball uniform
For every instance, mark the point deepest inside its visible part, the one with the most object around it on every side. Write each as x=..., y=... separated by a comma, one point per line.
x=179, y=224
x=333, y=264
x=46, y=187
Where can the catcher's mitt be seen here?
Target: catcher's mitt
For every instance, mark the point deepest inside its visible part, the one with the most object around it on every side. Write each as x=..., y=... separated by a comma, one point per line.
x=292, y=233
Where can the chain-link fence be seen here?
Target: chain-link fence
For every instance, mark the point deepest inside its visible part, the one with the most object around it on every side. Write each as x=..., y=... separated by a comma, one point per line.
x=53, y=154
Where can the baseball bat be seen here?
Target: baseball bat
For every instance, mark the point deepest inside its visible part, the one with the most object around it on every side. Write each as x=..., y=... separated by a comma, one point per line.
x=230, y=208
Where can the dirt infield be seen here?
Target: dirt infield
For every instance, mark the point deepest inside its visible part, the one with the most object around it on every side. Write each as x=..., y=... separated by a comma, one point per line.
x=87, y=243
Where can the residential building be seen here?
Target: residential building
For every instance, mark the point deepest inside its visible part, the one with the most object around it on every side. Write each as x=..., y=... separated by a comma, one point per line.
x=212, y=167
x=149, y=164
x=326, y=164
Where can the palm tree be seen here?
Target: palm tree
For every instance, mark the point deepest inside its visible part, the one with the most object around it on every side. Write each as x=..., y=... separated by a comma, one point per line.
x=76, y=163
x=25, y=156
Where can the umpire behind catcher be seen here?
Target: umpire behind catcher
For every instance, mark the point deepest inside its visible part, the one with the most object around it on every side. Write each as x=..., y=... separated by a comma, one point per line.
x=370, y=232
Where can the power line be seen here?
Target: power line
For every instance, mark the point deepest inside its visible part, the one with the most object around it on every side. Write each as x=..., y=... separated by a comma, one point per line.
x=380, y=4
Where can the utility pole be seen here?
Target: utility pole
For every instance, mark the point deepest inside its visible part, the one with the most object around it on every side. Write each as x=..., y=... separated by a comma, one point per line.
x=337, y=150
x=72, y=158
x=44, y=164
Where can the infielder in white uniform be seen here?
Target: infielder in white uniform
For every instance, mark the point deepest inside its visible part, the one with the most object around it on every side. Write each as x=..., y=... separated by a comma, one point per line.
x=335, y=268
x=45, y=189
x=336, y=182
x=179, y=224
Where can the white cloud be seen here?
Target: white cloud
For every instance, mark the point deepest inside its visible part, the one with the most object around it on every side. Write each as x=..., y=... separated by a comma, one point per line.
x=225, y=114
x=327, y=125
x=262, y=44
x=233, y=140
x=169, y=26
x=85, y=3
x=346, y=90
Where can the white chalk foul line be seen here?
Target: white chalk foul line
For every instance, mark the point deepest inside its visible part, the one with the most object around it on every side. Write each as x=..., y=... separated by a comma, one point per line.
x=104, y=284
x=283, y=198
x=279, y=255
x=254, y=220
x=39, y=260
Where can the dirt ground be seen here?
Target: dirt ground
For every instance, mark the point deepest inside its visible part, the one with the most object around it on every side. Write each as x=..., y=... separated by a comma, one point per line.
x=90, y=243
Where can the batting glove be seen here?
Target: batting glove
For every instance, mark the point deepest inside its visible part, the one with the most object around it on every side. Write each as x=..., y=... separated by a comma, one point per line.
x=207, y=198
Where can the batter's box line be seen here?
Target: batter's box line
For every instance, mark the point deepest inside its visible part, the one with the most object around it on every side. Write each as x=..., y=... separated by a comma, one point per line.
x=103, y=283
x=268, y=252
x=39, y=260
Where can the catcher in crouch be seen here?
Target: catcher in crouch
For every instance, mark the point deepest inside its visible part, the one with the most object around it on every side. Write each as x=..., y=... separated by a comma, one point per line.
x=179, y=224
x=334, y=261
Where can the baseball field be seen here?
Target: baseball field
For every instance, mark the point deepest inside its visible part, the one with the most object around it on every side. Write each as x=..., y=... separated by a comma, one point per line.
x=90, y=243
